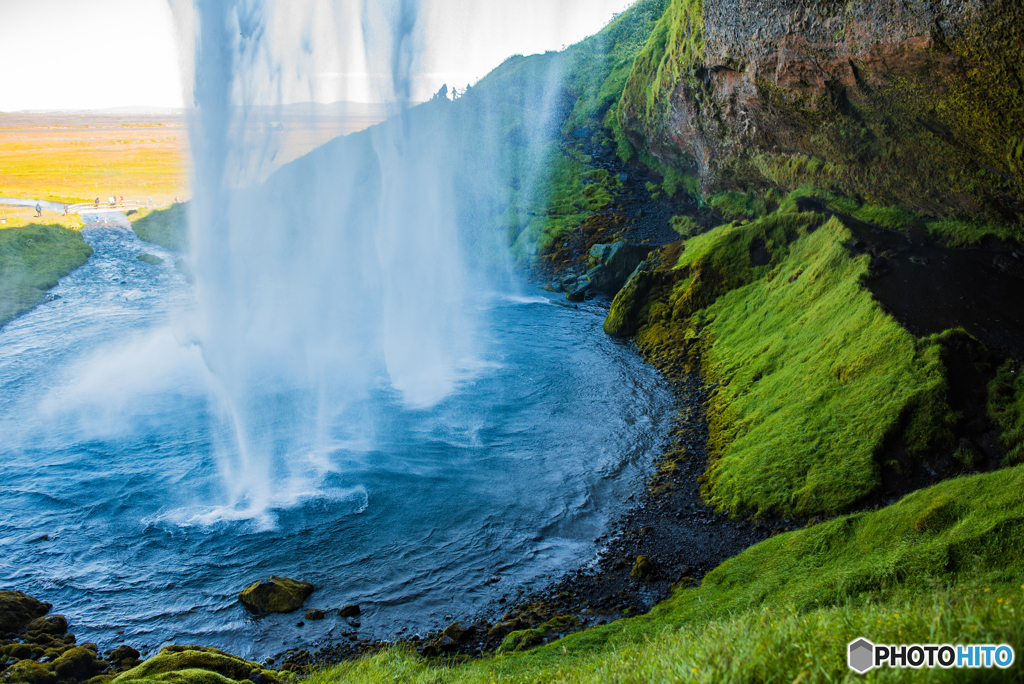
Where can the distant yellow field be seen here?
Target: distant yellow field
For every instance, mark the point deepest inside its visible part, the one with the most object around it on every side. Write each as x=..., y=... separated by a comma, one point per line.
x=78, y=157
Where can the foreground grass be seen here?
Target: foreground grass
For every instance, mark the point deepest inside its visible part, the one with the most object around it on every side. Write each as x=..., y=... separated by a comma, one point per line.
x=32, y=259
x=943, y=565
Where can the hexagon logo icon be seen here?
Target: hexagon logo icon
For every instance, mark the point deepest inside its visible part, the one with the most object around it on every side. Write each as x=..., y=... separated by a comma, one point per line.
x=860, y=655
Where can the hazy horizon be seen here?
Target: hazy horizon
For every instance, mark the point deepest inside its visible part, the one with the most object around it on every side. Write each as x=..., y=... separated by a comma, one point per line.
x=117, y=54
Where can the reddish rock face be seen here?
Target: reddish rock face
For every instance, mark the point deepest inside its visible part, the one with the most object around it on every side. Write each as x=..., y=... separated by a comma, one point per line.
x=914, y=103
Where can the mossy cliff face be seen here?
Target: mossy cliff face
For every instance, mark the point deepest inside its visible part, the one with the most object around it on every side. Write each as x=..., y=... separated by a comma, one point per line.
x=919, y=104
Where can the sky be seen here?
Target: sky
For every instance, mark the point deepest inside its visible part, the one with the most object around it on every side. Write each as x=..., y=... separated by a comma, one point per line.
x=102, y=54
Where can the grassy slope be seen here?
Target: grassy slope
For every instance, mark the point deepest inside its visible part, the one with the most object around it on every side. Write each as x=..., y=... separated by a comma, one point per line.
x=814, y=377
x=165, y=227
x=941, y=565
x=811, y=375
x=32, y=259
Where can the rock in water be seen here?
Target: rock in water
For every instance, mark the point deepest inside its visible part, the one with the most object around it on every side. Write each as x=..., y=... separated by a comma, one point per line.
x=314, y=614
x=351, y=610
x=275, y=595
x=18, y=609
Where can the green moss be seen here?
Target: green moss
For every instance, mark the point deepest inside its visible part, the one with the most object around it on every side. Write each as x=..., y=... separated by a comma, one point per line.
x=165, y=227
x=940, y=514
x=890, y=217
x=29, y=672
x=812, y=376
x=1006, y=409
x=737, y=205
x=77, y=664
x=967, y=232
x=33, y=259
x=684, y=225
x=817, y=377
x=523, y=639
x=197, y=665
x=623, y=148
x=560, y=205
x=151, y=259
x=275, y=595
x=675, y=45
x=186, y=676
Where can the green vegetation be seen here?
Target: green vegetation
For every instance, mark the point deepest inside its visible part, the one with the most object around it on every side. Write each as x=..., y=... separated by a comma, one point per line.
x=818, y=376
x=812, y=375
x=1006, y=408
x=684, y=225
x=942, y=565
x=599, y=66
x=566, y=196
x=32, y=259
x=199, y=665
x=675, y=45
x=737, y=205
x=554, y=190
x=524, y=639
x=165, y=227
x=967, y=232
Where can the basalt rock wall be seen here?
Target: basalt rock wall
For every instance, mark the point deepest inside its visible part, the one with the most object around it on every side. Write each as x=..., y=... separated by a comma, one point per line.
x=891, y=101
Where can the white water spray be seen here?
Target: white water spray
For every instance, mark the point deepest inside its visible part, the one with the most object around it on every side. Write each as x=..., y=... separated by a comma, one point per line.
x=355, y=266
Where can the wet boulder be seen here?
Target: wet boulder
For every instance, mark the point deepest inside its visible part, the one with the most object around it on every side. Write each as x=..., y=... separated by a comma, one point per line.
x=78, y=664
x=611, y=265
x=440, y=646
x=459, y=633
x=18, y=609
x=275, y=595
x=123, y=658
x=350, y=610
x=56, y=625
x=29, y=672
x=314, y=614
x=578, y=289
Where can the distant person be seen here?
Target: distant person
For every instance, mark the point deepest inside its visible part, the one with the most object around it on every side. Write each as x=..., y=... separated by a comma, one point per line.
x=113, y=200
x=65, y=210
x=39, y=209
x=97, y=202
x=455, y=93
x=175, y=199
x=121, y=199
x=467, y=89
x=442, y=94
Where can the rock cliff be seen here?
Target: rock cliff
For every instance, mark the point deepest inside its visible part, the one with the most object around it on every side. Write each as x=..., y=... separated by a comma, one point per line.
x=906, y=102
